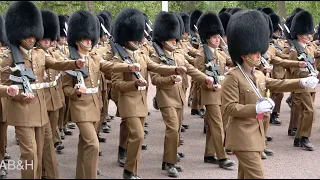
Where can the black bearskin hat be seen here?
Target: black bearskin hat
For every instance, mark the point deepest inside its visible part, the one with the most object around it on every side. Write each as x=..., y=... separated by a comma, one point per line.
x=267, y=10
x=82, y=25
x=3, y=35
x=234, y=10
x=222, y=10
x=166, y=26
x=186, y=21
x=249, y=37
x=108, y=13
x=275, y=21
x=195, y=15
x=22, y=20
x=181, y=24
x=128, y=26
x=101, y=21
x=224, y=18
x=269, y=22
x=208, y=25
x=107, y=19
x=62, y=20
x=50, y=24
x=302, y=23
x=296, y=10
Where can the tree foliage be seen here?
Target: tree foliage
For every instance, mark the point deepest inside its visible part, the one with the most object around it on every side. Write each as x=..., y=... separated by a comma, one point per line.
x=151, y=8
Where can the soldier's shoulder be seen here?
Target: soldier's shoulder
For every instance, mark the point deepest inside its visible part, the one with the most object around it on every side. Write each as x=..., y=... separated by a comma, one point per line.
x=233, y=71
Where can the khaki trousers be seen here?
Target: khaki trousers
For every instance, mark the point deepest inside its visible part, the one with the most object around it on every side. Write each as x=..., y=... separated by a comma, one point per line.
x=250, y=165
x=191, y=89
x=135, y=140
x=266, y=123
x=277, y=98
x=31, y=141
x=49, y=159
x=88, y=151
x=307, y=114
x=295, y=111
x=54, y=119
x=104, y=110
x=215, y=132
x=196, y=97
x=3, y=139
x=172, y=118
x=123, y=134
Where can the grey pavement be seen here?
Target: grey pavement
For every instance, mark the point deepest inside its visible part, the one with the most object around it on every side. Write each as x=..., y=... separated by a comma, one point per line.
x=288, y=162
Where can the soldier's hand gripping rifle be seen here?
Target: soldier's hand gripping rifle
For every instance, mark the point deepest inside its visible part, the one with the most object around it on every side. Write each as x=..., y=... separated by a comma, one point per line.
x=212, y=69
x=80, y=74
x=302, y=56
x=24, y=75
x=126, y=58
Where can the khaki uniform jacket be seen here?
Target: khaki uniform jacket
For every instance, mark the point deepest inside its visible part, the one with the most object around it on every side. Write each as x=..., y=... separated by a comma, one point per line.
x=170, y=94
x=31, y=113
x=131, y=101
x=208, y=95
x=54, y=98
x=279, y=63
x=301, y=72
x=244, y=132
x=86, y=107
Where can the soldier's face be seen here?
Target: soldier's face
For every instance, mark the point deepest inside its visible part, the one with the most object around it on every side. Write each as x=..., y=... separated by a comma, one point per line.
x=85, y=44
x=170, y=45
x=45, y=43
x=28, y=43
x=104, y=38
x=214, y=41
x=252, y=59
x=63, y=40
x=305, y=38
x=53, y=44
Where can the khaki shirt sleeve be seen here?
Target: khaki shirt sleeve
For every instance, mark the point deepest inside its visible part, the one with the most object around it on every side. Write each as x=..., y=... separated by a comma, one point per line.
x=196, y=74
x=286, y=85
x=284, y=63
x=52, y=63
x=230, y=99
x=164, y=70
x=3, y=91
x=157, y=79
x=118, y=82
x=108, y=66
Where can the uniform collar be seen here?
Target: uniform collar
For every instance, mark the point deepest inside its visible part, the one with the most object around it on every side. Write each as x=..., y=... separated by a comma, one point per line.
x=27, y=52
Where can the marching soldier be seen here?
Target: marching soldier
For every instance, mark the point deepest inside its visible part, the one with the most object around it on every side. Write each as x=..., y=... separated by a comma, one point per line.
x=84, y=97
x=196, y=107
x=3, y=124
x=170, y=95
x=64, y=114
x=128, y=31
x=53, y=100
x=301, y=28
x=210, y=30
x=245, y=133
x=32, y=118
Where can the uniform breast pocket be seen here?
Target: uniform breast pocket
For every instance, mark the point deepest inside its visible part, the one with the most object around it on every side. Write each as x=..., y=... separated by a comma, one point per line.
x=262, y=87
x=247, y=96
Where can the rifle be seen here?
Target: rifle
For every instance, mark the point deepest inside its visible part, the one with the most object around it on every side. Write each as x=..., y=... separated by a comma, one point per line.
x=126, y=58
x=194, y=39
x=225, y=44
x=80, y=74
x=163, y=58
x=212, y=69
x=302, y=56
x=25, y=75
x=111, y=40
x=264, y=61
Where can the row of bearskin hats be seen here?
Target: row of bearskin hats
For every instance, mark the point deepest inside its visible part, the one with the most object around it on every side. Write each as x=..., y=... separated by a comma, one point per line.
x=23, y=19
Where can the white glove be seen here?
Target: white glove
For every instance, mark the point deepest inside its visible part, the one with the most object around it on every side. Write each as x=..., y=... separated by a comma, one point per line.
x=263, y=106
x=309, y=82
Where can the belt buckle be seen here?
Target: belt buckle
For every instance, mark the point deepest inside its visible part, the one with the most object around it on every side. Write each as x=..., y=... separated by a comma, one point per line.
x=141, y=88
x=51, y=84
x=38, y=86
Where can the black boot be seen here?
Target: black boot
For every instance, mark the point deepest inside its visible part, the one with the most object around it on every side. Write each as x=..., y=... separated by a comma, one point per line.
x=211, y=159
x=59, y=147
x=146, y=124
x=67, y=131
x=202, y=112
x=195, y=112
x=183, y=129
x=101, y=138
x=17, y=140
x=144, y=147
x=121, y=156
x=186, y=126
x=106, y=128
x=296, y=142
x=289, y=101
x=306, y=144
x=71, y=125
x=6, y=155
x=62, y=135
x=128, y=175
x=274, y=119
x=226, y=163
x=3, y=173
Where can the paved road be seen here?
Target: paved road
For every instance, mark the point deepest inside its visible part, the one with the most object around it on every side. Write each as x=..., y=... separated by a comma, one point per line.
x=288, y=161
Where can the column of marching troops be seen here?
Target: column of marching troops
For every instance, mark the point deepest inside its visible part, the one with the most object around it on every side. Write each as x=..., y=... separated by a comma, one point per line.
x=240, y=61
